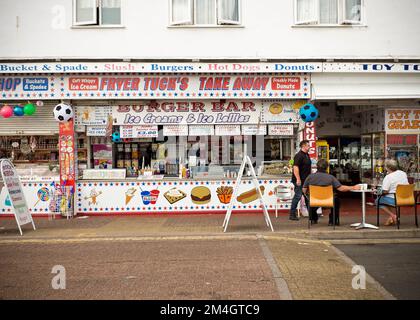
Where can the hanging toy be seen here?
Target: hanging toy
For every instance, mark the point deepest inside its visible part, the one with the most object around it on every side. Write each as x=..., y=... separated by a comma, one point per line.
x=29, y=109
x=116, y=137
x=63, y=112
x=308, y=112
x=6, y=111
x=18, y=111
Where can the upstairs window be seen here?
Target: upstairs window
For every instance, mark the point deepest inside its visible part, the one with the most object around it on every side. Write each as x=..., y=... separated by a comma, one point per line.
x=97, y=12
x=328, y=12
x=205, y=12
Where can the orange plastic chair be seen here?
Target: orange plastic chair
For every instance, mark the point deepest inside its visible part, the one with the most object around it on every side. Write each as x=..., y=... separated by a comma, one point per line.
x=321, y=196
x=404, y=197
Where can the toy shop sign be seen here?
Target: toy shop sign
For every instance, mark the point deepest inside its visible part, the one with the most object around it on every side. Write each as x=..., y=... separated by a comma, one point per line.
x=402, y=120
x=152, y=86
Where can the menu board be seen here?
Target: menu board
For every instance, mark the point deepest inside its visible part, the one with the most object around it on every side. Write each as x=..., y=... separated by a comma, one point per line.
x=92, y=115
x=254, y=130
x=175, y=130
x=228, y=130
x=144, y=131
x=280, y=130
x=204, y=130
x=15, y=192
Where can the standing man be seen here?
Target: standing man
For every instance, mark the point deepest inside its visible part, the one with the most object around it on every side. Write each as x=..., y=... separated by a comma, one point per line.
x=301, y=170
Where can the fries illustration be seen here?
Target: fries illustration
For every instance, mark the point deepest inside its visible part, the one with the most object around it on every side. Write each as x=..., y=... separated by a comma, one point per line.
x=224, y=194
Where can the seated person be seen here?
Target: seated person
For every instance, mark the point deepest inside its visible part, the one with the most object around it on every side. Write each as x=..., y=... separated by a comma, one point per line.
x=321, y=178
x=393, y=178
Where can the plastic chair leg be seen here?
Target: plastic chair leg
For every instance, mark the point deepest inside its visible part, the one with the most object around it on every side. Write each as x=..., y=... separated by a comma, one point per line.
x=415, y=214
x=398, y=217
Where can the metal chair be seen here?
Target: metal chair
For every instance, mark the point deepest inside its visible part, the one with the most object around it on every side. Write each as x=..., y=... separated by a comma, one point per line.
x=404, y=197
x=321, y=196
x=284, y=194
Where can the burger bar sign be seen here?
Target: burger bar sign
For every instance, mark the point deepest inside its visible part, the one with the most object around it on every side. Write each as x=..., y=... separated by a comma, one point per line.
x=196, y=112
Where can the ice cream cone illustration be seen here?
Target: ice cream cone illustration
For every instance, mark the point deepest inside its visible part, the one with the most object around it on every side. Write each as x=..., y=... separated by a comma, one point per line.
x=129, y=194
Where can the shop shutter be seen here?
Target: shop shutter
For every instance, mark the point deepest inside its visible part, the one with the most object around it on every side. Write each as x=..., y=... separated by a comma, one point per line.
x=40, y=123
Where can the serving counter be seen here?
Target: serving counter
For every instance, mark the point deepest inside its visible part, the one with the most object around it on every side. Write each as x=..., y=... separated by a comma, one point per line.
x=173, y=195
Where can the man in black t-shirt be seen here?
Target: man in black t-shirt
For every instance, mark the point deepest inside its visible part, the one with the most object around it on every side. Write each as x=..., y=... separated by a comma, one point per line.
x=301, y=170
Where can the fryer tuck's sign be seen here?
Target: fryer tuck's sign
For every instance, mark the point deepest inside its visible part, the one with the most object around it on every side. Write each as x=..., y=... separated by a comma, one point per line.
x=155, y=86
x=201, y=112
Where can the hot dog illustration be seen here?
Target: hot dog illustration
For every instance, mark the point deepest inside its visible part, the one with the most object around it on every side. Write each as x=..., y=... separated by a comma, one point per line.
x=250, y=195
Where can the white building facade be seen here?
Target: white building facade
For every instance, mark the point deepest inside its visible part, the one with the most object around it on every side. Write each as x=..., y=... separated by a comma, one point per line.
x=357, y=60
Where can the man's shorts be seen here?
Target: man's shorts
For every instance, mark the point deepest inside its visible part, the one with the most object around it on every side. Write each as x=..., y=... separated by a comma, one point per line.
x=390, y=201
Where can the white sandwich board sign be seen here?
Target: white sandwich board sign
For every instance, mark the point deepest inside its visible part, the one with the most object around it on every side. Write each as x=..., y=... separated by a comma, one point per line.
x=17, y=197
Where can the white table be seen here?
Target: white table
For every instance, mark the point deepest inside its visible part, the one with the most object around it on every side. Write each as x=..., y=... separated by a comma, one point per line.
x=363, y=224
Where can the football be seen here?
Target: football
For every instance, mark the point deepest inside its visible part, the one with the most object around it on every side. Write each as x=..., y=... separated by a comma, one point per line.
x=116, y=136
x=308, y=112
x=63, y=112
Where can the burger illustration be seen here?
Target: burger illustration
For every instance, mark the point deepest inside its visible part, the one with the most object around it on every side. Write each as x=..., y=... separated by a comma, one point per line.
x=275, y=108
x=200, y=195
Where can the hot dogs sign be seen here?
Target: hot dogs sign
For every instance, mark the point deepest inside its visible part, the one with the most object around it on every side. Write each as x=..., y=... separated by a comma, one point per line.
x=175, y=196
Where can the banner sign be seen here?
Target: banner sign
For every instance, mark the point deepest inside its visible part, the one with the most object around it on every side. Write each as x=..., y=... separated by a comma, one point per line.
x=254, y=130
x=402, y=120
x=96, y=131
x=152, y=86
x=144, y=131
x=310, y=135
x=181, y=130
x=16, y=196
x=205, y=130
x=92, y=116
x=206, y=112
x=228, y=130
x=280, y=130
x=67, y=153
x=198, y=67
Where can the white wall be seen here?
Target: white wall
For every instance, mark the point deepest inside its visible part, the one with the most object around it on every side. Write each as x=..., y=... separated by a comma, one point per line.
x=393, y=30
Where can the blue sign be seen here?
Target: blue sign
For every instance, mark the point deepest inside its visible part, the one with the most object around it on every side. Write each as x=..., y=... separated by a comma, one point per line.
x=35, y=84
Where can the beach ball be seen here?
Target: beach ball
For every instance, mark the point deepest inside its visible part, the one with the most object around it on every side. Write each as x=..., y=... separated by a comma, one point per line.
x=29, y=109
x=308, y=112
x=6, y=112
x=63, y=112
x=116, y=137
x=18, y=111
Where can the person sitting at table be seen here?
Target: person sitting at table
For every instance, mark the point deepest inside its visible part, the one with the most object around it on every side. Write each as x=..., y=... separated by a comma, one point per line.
x=322, y=178
x=393, y=178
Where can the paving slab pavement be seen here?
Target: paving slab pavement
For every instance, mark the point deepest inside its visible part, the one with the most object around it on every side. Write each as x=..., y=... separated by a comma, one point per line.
x=199, y=224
